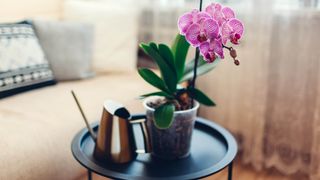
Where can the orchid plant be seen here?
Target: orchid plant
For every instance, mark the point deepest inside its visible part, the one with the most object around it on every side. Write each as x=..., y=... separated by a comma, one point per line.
x=208, y=31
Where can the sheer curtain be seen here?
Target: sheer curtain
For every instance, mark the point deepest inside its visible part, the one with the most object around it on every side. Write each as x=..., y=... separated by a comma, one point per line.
x=271, y=102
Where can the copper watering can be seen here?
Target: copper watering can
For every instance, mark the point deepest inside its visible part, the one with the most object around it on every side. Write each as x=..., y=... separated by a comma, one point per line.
x=115, y=140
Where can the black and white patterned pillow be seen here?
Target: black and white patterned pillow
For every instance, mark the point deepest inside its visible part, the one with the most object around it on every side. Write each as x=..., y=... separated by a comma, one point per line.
x=23, y=65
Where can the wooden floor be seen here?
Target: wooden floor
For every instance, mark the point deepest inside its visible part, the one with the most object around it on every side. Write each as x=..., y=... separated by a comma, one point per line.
x=247, y=173
x=240, y=173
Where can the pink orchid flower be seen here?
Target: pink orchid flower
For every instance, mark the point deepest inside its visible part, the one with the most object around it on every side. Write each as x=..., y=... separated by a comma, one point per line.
x=201, y=32
x=232, y=30
x=210, y=50
x=219, y=13
x=210, y=30
x=190, y=18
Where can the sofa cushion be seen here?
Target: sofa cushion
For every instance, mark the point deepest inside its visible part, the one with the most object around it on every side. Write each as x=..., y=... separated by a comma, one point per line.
x=68, y=47
x=23, y=65
x=36, y=128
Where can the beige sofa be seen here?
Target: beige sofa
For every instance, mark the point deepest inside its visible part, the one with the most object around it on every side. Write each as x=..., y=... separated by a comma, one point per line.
x=36, y=127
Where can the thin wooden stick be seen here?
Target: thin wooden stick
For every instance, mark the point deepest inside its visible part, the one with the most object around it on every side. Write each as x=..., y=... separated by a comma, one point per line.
x=92, y=134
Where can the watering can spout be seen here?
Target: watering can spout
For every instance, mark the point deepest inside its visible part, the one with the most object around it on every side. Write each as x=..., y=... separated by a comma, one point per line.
x=116, y=109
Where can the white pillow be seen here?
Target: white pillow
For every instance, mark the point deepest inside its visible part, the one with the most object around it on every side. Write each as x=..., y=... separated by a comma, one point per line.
x=68, y=47
x=23, y=65
x=115, y=24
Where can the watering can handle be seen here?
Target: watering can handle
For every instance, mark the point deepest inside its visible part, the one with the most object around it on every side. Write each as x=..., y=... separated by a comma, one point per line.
x=141, y=119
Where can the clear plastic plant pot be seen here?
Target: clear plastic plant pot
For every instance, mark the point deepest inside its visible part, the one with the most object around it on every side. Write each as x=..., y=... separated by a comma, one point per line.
x=174, y=142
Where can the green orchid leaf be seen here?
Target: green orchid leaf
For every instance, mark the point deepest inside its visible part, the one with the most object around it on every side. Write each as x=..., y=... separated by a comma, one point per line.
x=163, y=116
x=167, y=55
x=202, y=68
x=190, y=64
x=200, y=97
x=160, y=93
x=168, y=75
x=153, y=45
x=180, y=49
x=152, y=79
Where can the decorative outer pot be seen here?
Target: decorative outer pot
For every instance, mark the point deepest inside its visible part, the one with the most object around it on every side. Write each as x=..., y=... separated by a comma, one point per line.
x=175, y=141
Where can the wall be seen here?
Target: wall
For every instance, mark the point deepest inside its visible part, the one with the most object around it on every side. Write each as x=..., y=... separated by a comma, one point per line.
x=15, y=10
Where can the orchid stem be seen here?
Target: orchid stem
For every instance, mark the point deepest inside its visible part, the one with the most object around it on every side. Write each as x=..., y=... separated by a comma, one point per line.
x=200, y=5
x=229, y=48
x=196, y=59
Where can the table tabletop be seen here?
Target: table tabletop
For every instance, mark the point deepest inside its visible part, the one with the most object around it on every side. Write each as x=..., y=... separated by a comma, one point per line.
x=212, y=149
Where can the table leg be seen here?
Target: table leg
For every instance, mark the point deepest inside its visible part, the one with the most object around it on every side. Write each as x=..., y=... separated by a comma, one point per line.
x=230, y=171
x=89, y=175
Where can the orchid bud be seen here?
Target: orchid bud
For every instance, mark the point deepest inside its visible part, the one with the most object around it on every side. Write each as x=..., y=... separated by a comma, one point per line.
x=233, y=53
x=236, y=62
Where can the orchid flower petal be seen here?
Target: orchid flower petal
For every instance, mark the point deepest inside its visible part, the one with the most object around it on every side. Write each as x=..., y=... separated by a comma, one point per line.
x=228, y=13
x=192, y=34
x=213, y=7
x=207, y=51
x=217, y=47
x=214, y=10
x=203, y=15
x=211, y=28
x=226, y=32
x=204, y=48
x=184, y=23
x=236, y=26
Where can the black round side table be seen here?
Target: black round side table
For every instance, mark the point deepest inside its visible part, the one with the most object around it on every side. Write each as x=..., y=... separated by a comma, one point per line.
x=213, y=148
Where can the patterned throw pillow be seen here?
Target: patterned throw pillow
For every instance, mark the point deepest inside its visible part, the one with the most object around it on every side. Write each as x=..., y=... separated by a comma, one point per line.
x=23, y=65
